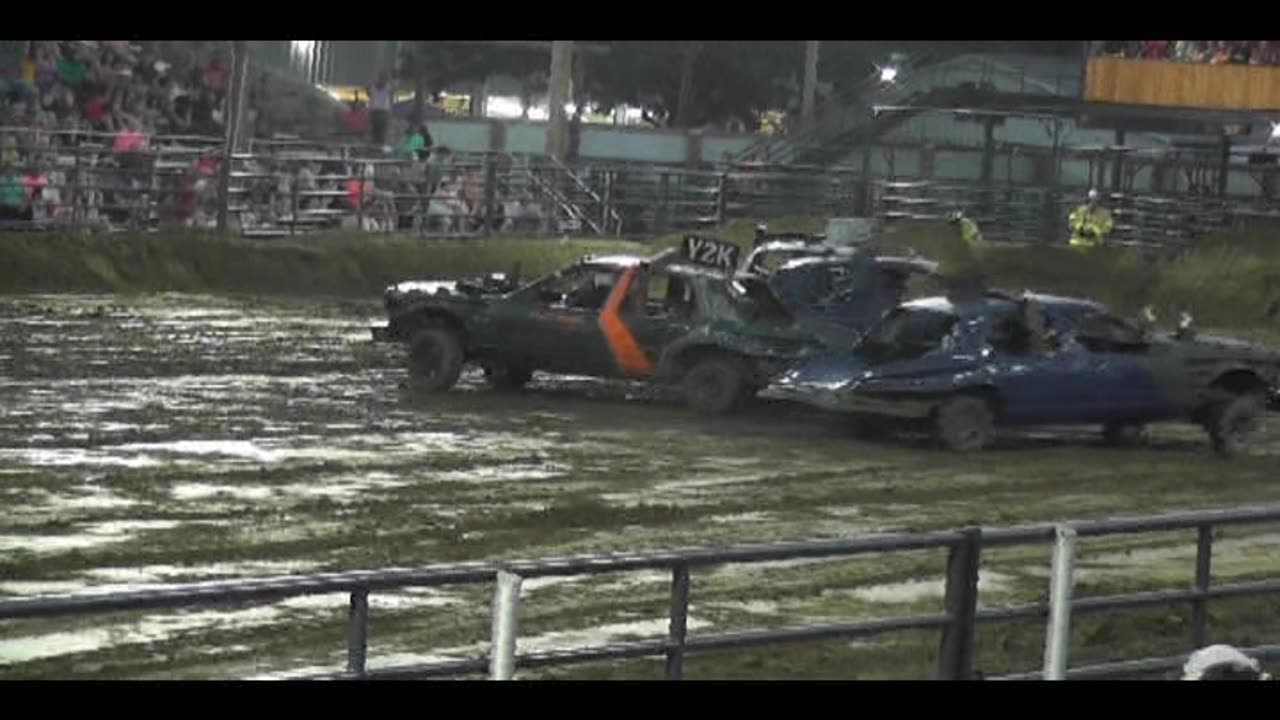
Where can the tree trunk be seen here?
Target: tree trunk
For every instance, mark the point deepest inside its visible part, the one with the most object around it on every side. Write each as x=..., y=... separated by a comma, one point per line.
x=685, y=99
x=557, y=95
x=419, y=72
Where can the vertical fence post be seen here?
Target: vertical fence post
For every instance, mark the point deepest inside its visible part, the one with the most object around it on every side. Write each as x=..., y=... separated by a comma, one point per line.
x=679, y=628
x=1199, y=607
x=293, y=203
x=153, y=189
x=722, y=187
x=357, y=631
x=606, y=201
x=76, y=215
x=955, y=656
x=490, y=192
x=360, y=199
x=506, y=610
x=1057, y=641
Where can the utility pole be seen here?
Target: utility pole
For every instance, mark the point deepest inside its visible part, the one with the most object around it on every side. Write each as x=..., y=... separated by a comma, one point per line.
x=811, y=48
x=558, y=92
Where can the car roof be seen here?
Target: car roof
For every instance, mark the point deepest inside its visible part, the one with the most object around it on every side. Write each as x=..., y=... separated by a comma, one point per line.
x=886, y=262
x=995, y=301
x=616, y=261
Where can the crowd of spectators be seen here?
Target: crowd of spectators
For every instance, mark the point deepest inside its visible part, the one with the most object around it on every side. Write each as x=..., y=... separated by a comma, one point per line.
x=1214, y=52
x=430, y=190
x=110, y=86
x=82, y=113
x=81, y=119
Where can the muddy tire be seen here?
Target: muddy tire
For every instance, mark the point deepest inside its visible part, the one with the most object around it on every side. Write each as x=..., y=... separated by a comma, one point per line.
x=1122, y=434
x=1234, y=424
x=715, y=385
x=964, y=423
x=508, y=377
x=435, y=360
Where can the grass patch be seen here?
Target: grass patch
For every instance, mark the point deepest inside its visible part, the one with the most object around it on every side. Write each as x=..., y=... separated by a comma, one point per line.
x=1227, y=280
x=342, y=264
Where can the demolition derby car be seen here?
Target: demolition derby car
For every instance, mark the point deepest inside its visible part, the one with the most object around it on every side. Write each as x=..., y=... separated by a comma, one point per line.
x=961, y=368
x=677, y=317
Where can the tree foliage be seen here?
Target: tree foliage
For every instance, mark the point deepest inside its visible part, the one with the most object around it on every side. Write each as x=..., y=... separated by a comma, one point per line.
x=724, y=81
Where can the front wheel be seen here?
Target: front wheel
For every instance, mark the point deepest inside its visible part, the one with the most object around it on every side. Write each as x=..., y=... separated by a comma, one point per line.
x=964, y=423
x=435, y=360
x=715, y=385
x=1234, y=424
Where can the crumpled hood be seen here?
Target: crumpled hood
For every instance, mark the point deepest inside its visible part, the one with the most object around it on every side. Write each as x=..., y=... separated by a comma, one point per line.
x=829, y=369
x=1212, y=343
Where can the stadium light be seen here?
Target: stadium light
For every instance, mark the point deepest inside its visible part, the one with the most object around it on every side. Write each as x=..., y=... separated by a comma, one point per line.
x=888, y=74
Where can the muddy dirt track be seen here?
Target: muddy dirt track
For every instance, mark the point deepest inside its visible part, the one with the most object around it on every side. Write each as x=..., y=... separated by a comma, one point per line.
x=146, y=441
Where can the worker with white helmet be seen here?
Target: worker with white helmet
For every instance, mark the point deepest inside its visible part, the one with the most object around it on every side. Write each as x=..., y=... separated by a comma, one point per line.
x=1090, y=223
x=962, y=264
x=969, y=232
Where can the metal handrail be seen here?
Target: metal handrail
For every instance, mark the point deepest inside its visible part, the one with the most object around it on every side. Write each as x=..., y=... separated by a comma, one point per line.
x=957, y=622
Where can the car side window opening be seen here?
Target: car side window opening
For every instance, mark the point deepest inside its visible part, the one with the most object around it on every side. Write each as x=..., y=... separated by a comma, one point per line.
x=581, y=288
x=664, y=295
x=1103, y=333
x=906, y=334
x=1025, y=330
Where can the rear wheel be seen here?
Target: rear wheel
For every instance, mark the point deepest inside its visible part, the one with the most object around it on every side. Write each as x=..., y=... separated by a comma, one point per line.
x=1235, y=424
x=964, y=423
x=1123, y=434
x=435, y=360
x=715, y=385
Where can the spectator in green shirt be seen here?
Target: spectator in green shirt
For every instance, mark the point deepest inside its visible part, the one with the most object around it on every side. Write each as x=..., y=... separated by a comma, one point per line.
x=418, y=143
x=13, y=196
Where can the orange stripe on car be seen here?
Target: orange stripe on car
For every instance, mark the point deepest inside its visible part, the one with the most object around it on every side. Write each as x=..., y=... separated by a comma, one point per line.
x=626, y=351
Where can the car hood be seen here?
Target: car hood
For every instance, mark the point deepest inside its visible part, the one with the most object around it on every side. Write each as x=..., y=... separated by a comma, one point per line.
x=423, y=287
x=486, y=286
x=1216, y=344
x=828, y=370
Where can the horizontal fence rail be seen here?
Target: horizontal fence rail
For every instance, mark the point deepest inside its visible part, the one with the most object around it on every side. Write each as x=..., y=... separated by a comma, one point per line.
x=103, y=182
x=956, y=622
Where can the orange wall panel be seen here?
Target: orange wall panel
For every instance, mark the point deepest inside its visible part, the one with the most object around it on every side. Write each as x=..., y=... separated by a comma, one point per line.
x=1192, y=85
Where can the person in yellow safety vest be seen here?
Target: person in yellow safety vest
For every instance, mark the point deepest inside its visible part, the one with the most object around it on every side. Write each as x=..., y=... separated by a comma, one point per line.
x=969, y=231
x=1090, y=224
x=963, y=265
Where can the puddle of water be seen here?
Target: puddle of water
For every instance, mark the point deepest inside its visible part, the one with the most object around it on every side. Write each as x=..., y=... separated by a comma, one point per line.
x=754, y=607
x=64, y=457
x=91, y=536
x=511, y=472
x=912, y=591
x=200, y=491
x=747, y=517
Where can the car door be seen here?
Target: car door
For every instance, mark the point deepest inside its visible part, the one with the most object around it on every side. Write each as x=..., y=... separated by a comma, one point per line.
x=1038, y=385
x=1118, y=358
x=556, y=323
x=918, y=350
x=660, y=308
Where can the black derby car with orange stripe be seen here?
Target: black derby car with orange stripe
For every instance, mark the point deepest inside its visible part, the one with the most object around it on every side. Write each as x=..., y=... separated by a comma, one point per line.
x=679, y=317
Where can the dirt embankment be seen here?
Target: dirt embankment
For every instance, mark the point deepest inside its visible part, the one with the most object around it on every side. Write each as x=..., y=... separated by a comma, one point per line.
x=1229, y=281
